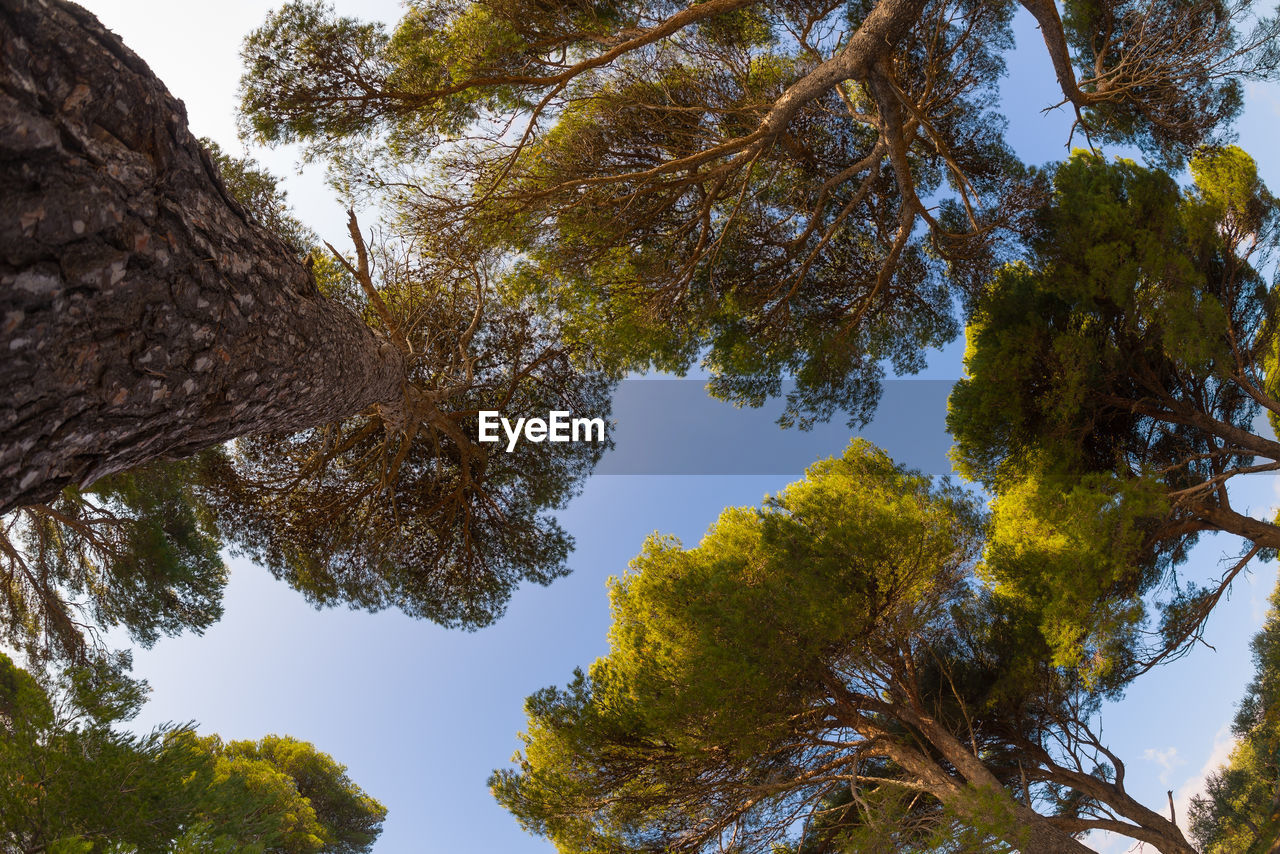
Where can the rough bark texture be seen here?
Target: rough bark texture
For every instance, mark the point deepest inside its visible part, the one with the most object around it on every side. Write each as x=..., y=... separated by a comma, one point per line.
x=142, y=314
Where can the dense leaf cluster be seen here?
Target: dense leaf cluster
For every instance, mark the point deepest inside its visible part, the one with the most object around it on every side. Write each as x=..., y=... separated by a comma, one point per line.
x=74, y=781
x=793, y=190
x=1112, y=384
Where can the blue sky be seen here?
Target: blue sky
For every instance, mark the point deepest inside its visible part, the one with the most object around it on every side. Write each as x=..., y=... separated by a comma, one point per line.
x=421, y=715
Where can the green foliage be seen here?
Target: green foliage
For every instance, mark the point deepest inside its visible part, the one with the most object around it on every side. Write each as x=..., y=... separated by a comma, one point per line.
x=764, y=273
x=280, y=795
x=1110, y=386
x=1227, y=182
x=304, y=63
x=1123, y=281
x=720, y=709
x=71, y=781
x=1185, y=59
x=423, y=517
x=404, y=508
x=137, y=550
x=823, y=674
x=301, y=51
x=734, y=182
x=1073, y=550
x=1240, y=810
x=747, y=619
x=348, y=821
x=68, y=778
x=765, y=270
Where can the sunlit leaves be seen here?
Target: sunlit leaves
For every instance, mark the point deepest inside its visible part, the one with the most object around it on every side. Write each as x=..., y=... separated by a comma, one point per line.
x=1110, y=389
x=1238, y=811
x=75, y=781
x=712, y=714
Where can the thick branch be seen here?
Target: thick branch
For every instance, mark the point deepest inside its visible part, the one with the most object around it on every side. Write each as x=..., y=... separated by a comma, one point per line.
x=1055, y=41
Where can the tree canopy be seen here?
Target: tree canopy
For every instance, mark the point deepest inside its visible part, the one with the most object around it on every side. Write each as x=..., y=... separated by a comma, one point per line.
x=823, y=673
x=388, y=508
x=402, y=506
x=405, y=507
x=571, y=191
x=1112, y=385
x=375, y=493
x=137, y=550
x=778, y=189
x=76, y=783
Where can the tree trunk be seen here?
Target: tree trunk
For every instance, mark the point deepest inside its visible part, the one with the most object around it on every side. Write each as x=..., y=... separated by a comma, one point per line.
x=143, y=315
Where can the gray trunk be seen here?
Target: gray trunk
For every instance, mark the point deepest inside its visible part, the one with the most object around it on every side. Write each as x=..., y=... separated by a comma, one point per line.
x=142, y=314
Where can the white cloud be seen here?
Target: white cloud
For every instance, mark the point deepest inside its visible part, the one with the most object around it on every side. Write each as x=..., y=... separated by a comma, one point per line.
x=1167, y=759
x=1223, y=743
x=1104, y=842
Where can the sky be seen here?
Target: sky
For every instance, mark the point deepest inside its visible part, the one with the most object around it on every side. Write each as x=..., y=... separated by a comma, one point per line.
x=421, y=715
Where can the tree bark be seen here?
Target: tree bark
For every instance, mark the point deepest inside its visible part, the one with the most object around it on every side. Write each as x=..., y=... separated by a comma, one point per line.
x=143, y=315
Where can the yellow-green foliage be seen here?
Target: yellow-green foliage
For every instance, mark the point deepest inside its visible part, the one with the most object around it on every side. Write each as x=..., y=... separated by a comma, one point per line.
x=719, y=651
x=1138, y=299
x=750, y=615
x=1072, y=550
x=1227, y=182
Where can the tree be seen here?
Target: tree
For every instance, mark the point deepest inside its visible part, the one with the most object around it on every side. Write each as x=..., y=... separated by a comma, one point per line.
x=70, y=781
x=823, y=672
x=1111, y=386
x=358, y=379
x=407, y=508
x=299, y=801
x=779, y=189
x=68, y=776
x=430, y=521
x=138, y=550
x=1240, y=810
